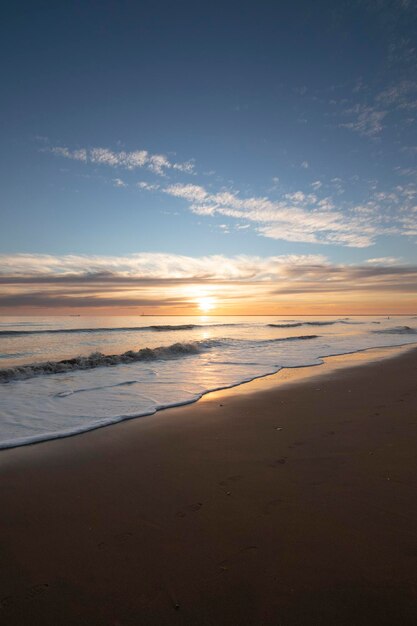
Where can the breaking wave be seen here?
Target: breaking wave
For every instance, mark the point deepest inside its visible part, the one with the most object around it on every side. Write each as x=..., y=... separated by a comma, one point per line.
x=65, y=396
x=97, y=359
x=397, y=330
x=315, y=323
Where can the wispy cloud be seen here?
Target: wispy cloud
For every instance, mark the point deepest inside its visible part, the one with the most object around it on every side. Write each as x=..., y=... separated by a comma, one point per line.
x=386, y=260
x=365, y=120
x=147, y=186
x=369, y=110
x=322, y=213
x=192, y=193
x=148, y=266
x=156, y=163
x=401, y=95
x=297, y=217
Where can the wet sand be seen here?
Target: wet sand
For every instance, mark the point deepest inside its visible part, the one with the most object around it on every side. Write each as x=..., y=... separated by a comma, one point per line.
x=287, y=501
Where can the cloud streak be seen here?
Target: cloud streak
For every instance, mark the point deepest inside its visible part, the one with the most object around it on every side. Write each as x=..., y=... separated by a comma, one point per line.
x=366, y=120
x=156, y=163
x=169, y=281
x=297, y=217
x=148, y=266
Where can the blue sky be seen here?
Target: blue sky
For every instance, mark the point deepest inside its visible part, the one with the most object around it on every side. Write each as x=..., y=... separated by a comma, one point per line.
x=264, y=129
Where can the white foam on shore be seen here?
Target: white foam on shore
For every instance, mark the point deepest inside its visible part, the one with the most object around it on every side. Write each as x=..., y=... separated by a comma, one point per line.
x=72, y=396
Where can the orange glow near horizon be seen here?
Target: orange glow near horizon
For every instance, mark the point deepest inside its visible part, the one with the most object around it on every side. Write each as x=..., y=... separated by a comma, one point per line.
x=198, y=308
x=227, y=298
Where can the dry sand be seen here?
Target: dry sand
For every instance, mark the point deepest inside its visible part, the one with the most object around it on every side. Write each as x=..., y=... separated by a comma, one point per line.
x=290, y=500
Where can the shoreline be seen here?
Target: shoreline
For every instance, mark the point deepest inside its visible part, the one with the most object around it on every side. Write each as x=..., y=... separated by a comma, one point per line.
x=285, y=375
x=287, y=500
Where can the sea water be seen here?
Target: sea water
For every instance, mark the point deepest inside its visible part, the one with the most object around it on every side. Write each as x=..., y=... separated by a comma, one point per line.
x=66, y=375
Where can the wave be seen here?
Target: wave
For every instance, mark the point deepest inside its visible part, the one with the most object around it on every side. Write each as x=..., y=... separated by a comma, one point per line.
x=162, y=328
x=397, y=330
x=168, y=327
x=55, y=407
x=298, y=338
x=153, y=328
x=97, y=359
x=315, y=323
x=55, y=331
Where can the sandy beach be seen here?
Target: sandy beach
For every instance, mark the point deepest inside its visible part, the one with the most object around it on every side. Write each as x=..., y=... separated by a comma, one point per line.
x=286, y=501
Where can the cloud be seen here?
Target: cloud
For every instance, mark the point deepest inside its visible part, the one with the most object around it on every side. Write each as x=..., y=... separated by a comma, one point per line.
x=353, y=279
x=391, y=106
x=147, y=186
x=400, y=95
x=41, y=299
x=301, y=216
x=192, y=193
x=156, y=163
x=386, y=260
x=169, y=280
x=366, y=120
x=146, y=266
x=76, y=155
x=297, y=217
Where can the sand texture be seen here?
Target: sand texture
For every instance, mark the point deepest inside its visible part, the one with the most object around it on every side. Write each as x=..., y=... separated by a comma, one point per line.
x=289, y=501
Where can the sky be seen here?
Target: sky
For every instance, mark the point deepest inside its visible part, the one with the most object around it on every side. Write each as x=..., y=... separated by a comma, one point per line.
x=233, y=157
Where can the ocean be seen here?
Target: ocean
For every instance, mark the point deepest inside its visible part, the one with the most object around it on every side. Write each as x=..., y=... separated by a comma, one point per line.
x=65, y=375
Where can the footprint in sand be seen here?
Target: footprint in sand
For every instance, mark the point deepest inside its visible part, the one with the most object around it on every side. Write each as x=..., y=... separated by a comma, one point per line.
x=13, y=601
x=191, y=508
x=235, y=558
x=272, y=505
x=35, y=591
x=277, y=462
x=116, y=540
x=7, y=603
x=229, y=480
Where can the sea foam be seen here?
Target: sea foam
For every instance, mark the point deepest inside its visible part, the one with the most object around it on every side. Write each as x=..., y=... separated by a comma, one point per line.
x=49, y=395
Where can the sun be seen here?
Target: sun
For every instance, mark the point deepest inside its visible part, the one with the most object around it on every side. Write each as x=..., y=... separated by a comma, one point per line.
x=201, y=297
x=205, y=303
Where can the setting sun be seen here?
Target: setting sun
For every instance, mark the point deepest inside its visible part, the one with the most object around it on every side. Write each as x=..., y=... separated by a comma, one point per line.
x=205, y=303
